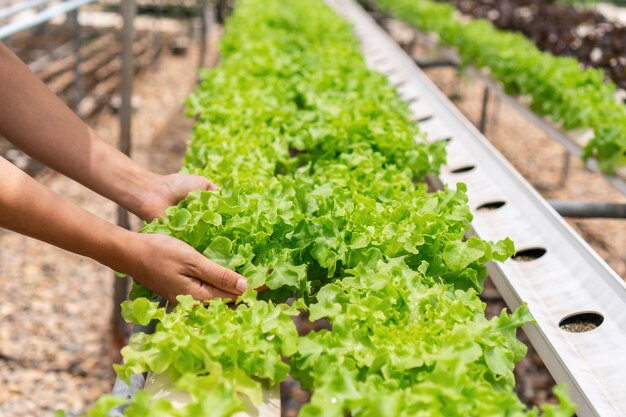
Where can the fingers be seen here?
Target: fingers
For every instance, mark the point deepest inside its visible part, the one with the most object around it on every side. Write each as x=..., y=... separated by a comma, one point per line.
x=220, y=277
x=180, y=185
x=211, y=186
x=203, y=291
x=177, y=268
x=196, y=182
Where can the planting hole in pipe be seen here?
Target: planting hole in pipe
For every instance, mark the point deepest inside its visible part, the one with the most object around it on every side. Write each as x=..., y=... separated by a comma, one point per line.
x=396, y=79
x=490, y=206
x=530, y=254
x=463, y=168
x=422, y=118
x=408, y=94
x=581, y=322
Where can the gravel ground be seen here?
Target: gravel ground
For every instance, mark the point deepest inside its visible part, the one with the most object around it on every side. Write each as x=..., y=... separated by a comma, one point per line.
x=55, y=307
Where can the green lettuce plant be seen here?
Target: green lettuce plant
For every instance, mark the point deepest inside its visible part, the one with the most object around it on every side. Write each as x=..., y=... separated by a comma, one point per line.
x=323, y=200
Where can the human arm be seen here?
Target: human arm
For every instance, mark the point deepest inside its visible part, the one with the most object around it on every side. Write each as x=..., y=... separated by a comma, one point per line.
x=164, y=264
x=40, y=124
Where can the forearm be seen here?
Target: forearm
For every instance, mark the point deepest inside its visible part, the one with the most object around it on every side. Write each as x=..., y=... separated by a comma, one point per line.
x=162, y=263
x=29, y=208
x=40, y=124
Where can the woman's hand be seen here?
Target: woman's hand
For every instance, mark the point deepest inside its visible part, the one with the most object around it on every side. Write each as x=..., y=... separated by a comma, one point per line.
x=162, y=263
x=168, y=190
x=170, y=267
x=39, y=123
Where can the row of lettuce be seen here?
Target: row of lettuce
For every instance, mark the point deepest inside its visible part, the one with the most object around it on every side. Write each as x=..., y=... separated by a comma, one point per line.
x=559, y=87
x=322, y=200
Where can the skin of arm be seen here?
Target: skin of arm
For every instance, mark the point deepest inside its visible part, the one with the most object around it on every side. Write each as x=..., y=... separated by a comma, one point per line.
x=162, y=263
x=39, y=123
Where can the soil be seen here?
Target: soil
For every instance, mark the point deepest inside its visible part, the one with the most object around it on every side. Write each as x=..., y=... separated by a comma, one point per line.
x=579, y=327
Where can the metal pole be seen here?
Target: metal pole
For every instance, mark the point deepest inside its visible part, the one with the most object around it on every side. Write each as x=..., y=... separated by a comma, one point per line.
x=581, y=209
x=44, y=30
x=72, y=17
x=203, y=9
x=565, y=168
x=482, y=126
x=126, y=87
x=220, y=6
x=434, y=63
x=157, y=28
x=126, y=90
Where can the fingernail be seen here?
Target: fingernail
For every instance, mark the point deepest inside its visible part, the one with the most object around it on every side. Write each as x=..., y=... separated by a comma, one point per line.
x=241, y=285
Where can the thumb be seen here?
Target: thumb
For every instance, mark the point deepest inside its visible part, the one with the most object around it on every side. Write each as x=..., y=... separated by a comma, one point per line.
x=220, y=277
x=211, y=186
